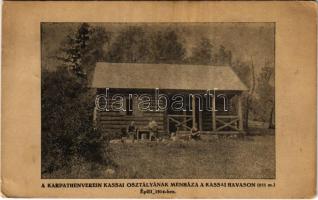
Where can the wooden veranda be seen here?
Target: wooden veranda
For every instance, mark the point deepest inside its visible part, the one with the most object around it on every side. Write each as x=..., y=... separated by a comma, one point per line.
x=228, y=123
x=171, y=78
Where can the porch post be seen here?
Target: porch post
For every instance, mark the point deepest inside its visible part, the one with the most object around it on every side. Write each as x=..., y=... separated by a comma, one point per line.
x=213, y=113
x=95, y=116
x=95, y=112
x=193, y=110
x=167, y=122
x=184, y=113
x=200, y=120
x=239, y=112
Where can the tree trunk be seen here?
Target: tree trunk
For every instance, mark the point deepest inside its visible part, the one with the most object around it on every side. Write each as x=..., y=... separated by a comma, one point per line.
x=247, y=108
x=250, y=94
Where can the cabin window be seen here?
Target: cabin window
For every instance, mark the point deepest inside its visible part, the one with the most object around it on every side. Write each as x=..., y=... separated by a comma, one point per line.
x=129, y=106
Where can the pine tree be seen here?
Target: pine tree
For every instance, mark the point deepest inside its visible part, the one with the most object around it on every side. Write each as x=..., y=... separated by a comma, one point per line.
x=74, y=49
x=82, y=49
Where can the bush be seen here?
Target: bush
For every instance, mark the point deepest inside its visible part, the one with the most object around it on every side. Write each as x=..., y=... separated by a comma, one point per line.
x=68, y=133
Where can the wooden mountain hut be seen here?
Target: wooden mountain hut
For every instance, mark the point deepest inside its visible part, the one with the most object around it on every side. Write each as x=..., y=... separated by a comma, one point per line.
x=125, y=85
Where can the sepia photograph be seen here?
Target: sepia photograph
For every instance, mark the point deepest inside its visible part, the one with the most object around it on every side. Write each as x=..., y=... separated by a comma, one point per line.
x=158, y=100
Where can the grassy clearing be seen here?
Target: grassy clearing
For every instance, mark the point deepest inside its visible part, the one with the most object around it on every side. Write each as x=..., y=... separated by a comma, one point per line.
x=211, y=158
x=251, y=157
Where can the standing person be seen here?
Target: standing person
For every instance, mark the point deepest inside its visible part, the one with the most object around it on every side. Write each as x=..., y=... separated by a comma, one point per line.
x=132, y=130
x=173, y=129
x=153, y=128
x=195, y=133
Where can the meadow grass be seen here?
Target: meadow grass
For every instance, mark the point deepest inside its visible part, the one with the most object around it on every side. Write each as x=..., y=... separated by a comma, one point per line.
x=248, y=157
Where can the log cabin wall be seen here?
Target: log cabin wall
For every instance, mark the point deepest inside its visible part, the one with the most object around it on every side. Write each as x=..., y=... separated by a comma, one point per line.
x=116, y=121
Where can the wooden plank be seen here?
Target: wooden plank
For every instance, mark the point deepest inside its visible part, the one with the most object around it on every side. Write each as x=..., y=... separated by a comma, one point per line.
x=181, y=120
x=180, y=123
x=226, y=116
x=226, y=132
x=184, y=114
x=240, y=113
x=110, y=113
x=168, y=125
x=123, y=113
x=213, y=114
x=127, y=121
x=143, y=123
x=228, y=124
x=179, y=115
x=219, y=132
x=157, y=114
x=212, y=132
x=105, y=131
x=129, y=118
x=231, y=126
x=200, y=120
x=94, y=115
x=119, y=127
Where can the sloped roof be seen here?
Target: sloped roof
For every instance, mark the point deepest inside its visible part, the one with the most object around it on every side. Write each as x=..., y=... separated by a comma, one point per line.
x=165, y=76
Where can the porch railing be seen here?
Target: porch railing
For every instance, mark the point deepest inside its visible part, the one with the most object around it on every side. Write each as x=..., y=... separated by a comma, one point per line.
x=180, y=120
x=226, y=123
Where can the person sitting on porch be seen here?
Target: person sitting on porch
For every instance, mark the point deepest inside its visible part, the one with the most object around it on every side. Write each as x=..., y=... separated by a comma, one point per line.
x=153, y=128
x=195, y=133
x=132, y=130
